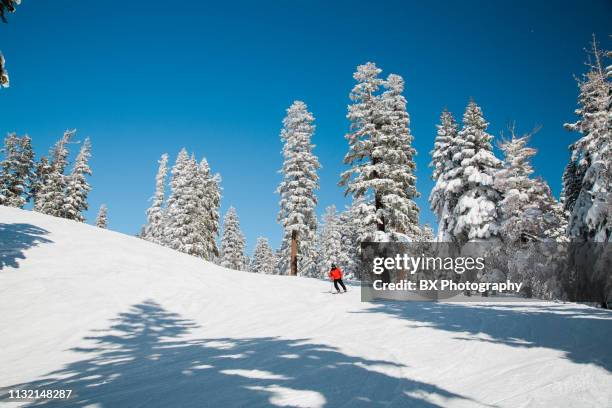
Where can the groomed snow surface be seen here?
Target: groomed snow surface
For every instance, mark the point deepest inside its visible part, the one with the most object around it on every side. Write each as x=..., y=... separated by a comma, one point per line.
x=126, y=323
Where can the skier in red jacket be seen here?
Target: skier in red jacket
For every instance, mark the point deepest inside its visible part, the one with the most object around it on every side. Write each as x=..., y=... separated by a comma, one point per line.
x=335, y=274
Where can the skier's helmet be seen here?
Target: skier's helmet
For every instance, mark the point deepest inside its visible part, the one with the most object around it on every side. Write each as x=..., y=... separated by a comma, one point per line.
x=333, y=266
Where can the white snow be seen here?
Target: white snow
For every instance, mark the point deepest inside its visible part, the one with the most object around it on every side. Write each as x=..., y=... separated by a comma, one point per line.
x=127, y=323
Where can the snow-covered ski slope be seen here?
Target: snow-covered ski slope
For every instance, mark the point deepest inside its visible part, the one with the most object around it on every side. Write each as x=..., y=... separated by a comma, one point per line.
x=126, y=323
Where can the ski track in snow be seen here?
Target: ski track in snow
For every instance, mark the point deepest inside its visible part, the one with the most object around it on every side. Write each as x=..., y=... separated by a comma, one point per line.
x=127, y=323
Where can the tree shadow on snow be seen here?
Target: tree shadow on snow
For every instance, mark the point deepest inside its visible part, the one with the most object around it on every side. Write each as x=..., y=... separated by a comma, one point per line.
x=15, y=239
x=583, y=334
x=141, y=360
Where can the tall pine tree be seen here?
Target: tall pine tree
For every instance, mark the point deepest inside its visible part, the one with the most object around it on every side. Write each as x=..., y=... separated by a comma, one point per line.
x=209, y=199
x=264, y=260
x=513, y=180
x=102, y=217
x=528, y=211
x=154, y=229
x=475, y=217
x=330, y=242
x=587, y=179
x=380, y=152
x=444, y=167
x=42, y=169
x=16, y=171
x=232, y=242
x=397, y=155
x=297, y=190
x=181, y=229
x=50, y=197
x=77, y=188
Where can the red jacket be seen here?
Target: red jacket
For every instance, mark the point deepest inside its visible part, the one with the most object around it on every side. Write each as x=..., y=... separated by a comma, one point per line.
x=335, y=273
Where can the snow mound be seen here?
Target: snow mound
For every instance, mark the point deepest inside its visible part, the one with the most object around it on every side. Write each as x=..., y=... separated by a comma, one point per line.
x=123, y=322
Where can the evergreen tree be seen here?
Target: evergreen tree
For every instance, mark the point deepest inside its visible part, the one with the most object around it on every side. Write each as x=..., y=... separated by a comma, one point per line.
x=232, y=242
x=209, y=199
x=513, y=180
x=444, y=168
x=475, y=216
x=365, y=116
x=397, y=155
x=41, y=172
x=280, y=268
x=77, y=187
x=572, y=182
x=300, y=180
x=16, y=170
x=546, y=219
x=154, y=229
x=558, y=224
x=181, y=228
x=102, y=217
x=7, y=178
x=380, y=152
x=427, y=234
x=357, y=225
x=50, y=198
x=587, y=179
x=264, y=260
x=528, y=211
x=330, y=242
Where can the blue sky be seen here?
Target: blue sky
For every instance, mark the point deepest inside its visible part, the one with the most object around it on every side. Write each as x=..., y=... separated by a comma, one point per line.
x=150, y=77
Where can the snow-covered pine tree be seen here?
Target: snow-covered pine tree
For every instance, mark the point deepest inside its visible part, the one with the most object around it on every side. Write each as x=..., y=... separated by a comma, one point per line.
x=546, y=217
x=16, y=170
x=42, y=170
x=297, y=213
x=202, y=235
x=77, y=188
x=442, y=153
x=587, y=179
x=444, y=168
x=330, y=242
x=154, y=229
x=572, y=182
x=380, y=152
x=427, y=234
x=280, y=268
x=397, y=155
x=102, y=217
x=209, y=198
x=10, y=151
x=357, y=224
x=264, y=260
x=365, y=115
x=475, y=216
x=182, y=230
x=528, y=211
x=349, y=242
x=50, y=197
x=513, y=180
x=232, y=242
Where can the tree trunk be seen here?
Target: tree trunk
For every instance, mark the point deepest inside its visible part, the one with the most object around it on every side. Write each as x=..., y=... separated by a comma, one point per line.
x=294, y=248
x=378, y=205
